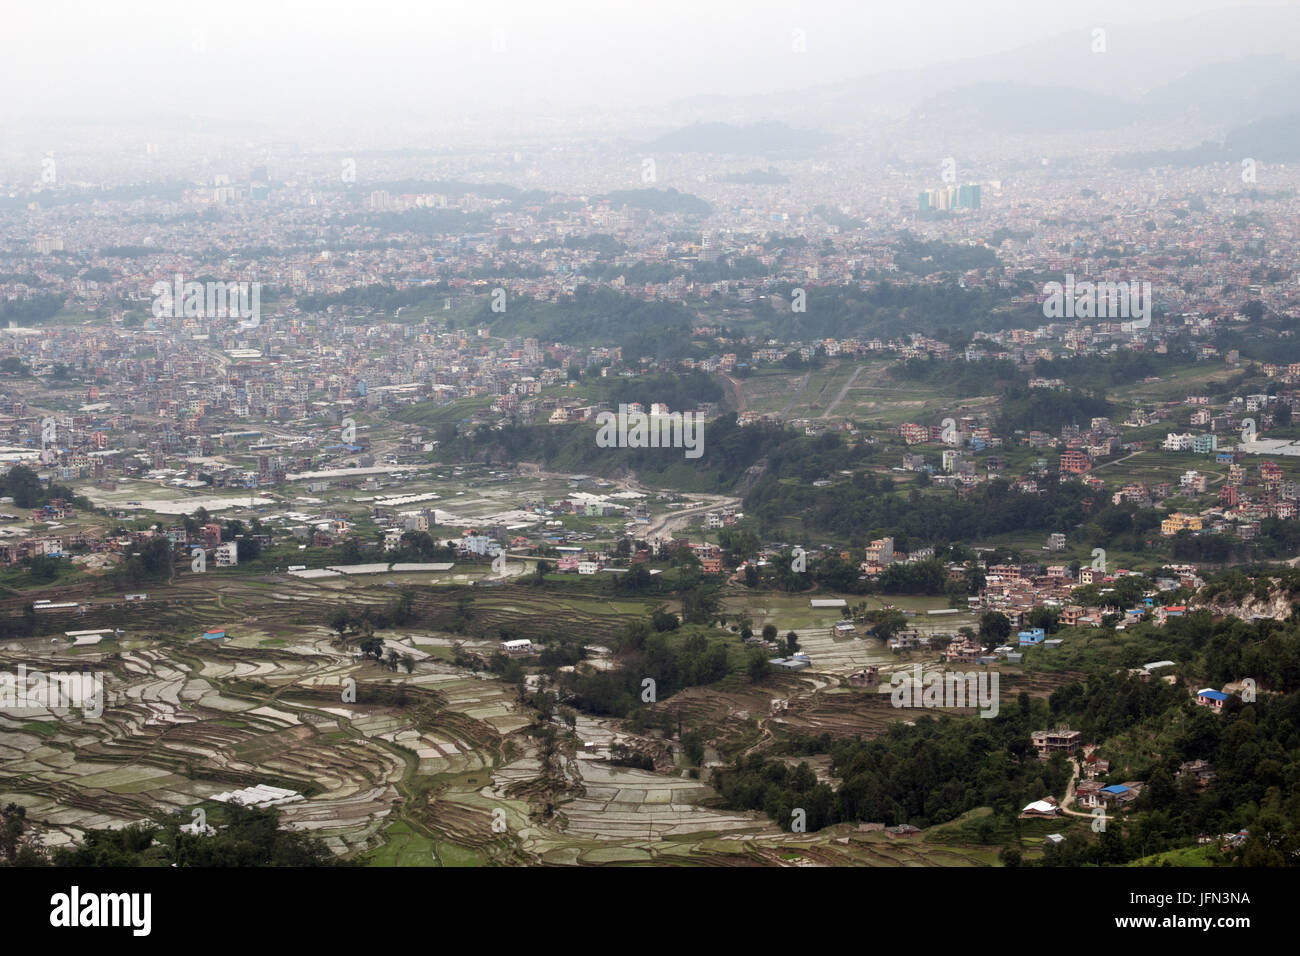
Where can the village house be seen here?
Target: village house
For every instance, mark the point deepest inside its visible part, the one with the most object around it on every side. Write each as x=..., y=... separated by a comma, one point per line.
x=867, y=677
x=1046, y=807
x=1213, y=699
x=1094, y=766
x=1059, y=740
x=1202, y=771
x=1087, y=794
x=963, y=650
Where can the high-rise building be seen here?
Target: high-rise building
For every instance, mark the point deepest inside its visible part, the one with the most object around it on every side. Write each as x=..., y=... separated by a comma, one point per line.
x=949, y=197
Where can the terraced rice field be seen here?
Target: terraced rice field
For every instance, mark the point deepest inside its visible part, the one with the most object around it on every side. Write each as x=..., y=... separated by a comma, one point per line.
x=441, y=766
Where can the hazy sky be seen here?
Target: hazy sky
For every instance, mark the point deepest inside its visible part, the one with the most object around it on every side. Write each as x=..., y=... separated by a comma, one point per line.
x=293, y=60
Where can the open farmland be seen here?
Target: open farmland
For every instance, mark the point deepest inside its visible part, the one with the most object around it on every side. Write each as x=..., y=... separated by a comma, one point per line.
x=414, y=768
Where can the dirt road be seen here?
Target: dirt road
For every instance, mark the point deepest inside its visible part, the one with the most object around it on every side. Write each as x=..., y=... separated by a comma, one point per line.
x=843, y=391
x=666, y=524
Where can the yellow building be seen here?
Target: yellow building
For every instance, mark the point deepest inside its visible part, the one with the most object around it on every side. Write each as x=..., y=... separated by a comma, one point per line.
x=1180, y=522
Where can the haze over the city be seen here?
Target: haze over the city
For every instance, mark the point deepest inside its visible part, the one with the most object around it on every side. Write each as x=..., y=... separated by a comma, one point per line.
x=386, y=72
x=604, y=435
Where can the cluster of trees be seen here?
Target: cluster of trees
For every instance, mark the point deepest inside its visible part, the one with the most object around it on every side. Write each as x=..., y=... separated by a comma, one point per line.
x=1104, y=371
x=679, y=391
x=865, y=506
x=1278, y=538
x=1048, y=409
x=889, y=309
x=728, y=450
x=31, y=310
x=960, y=378
x=844, y=576
x=401, y=611
x=661, y=201
x=1254, y=748
x=926, y=774
x=42, y=567
x=24, y=486
x=921, y=257
x=1234, y=585
x=1217, y=651
x=14, y=626
x=944, y=766
x=417, y=546
x=598, y=315
x=673, y=661
x=247, y=837
x=14, y=850
x=153, y=562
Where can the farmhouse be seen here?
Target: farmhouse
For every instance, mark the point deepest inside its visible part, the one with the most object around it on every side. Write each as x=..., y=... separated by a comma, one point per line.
x=1088, y=793
x=1119, y=794
x=963, y=650
x=1042, y=808
x=1201, y=771
x=867, y=677
x=1213, y=699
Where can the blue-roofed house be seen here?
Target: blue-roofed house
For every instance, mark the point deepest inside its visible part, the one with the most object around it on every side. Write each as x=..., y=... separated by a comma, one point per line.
x=1214, y=699
x=1120, y=794
x=1033, y=636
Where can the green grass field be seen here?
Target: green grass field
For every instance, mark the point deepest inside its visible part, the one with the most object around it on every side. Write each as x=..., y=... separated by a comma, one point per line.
x=403, y=847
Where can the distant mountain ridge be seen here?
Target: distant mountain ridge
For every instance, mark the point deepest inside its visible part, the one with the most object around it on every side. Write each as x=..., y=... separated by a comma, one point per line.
x=1275, y=139
x=1215, y=62
x=771, y=139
